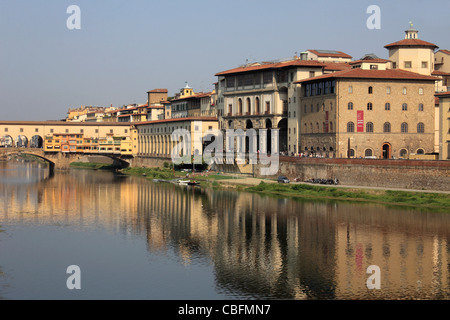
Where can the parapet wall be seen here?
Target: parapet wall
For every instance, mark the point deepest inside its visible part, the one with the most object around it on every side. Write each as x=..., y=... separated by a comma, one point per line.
x=405, y=174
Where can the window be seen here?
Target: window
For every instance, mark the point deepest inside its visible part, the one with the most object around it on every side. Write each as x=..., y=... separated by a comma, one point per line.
x=374, y=67
x=36, y=130
x=111, y=131
x=387, y=106
x=81, y=130
x=351, y=153
x=420, y=151
x=404, y=107
x=331, y=126
x=350, y=127
x=67, y=130
x=96, y=130
x=404, y=127
x=6, y=129
x=267, y=77
x=51, y=130
x=368, y=153
x=21, y=129
x=403, y=153
x=350, y=89
x=394, y=65
x=312, y=74
x=424, y=64
x=404, y=91
x=350, y=106
x=420, y=127
x=420, y=106
x=387, y=127
x=388, y=89
x=420, y=91
x=407, y=64
x=370, y=90
x=369, y=127
x=369, y=106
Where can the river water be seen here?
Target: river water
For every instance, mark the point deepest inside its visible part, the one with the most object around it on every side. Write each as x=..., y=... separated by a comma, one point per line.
x=132, y=238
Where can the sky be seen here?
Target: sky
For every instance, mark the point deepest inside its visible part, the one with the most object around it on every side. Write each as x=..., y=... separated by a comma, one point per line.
x=125, y=48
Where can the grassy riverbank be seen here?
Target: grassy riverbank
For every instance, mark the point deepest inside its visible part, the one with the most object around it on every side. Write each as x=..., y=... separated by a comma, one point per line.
x=439, y=201
x=425, y=200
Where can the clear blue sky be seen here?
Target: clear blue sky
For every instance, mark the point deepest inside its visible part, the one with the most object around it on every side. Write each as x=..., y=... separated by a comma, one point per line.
x=126, y=48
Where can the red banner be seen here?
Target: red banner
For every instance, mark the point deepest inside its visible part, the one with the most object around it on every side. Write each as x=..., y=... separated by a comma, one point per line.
x=360, y=121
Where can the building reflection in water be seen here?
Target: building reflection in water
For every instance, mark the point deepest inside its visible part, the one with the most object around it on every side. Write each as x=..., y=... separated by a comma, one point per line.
x=260, y=246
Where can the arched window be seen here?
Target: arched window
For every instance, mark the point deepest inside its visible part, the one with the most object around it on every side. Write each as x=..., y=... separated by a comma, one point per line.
x=368, y=153
x=404, y=91
x=239, y=107
x=351, y=153
x=350, y=127
x=404, y=127
x=331, y=126
x=387, y=127
x=420, y=91
x=257, y=111
x=420, y=151
x=388, y=90
x=317, y=127
x=370, y=90
x=420, y=127
x=350, y=89
x=420, y=106
x=369, y=127
x=350, y=106
x=369, y=106
x=312, y=128
x=403, y=153
x=404, y=107
x=387, y=106
x=248, y=106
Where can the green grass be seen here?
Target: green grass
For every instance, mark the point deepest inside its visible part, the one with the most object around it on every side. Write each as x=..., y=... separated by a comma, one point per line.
x=400, y=198
x=151, y=173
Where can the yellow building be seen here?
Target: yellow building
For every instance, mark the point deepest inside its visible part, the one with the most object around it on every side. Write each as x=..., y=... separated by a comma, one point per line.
x=367, y=113
x=154, y=138
x=444, y=119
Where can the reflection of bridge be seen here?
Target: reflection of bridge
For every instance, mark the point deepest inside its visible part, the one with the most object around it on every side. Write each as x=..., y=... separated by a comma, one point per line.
x=57, y=160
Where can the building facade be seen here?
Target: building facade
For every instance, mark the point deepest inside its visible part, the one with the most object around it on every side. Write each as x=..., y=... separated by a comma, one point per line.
x=444, y=132
x=367, y=113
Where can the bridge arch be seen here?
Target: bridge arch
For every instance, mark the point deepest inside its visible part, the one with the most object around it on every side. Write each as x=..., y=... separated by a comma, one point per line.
x=21, y=141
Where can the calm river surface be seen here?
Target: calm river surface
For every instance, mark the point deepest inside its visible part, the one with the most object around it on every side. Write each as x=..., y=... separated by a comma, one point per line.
x=136, y=239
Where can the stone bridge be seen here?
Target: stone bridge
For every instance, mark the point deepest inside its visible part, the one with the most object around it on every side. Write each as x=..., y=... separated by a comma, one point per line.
x=58, y=160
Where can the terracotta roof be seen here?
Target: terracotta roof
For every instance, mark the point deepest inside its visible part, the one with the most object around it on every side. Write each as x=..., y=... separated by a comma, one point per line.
x=370, y=61
x=390, y=74
x=275, y=65
x=337, y=66
x=177, y=120
x=440, y=73
x=445, y=51
x=197, y=95
x=158, y=91
x=330, y=53
x=443, y=94
x=411, y=42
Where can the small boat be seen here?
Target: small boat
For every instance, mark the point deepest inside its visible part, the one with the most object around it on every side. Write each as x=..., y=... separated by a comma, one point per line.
x=193, y=183
x=184, y=182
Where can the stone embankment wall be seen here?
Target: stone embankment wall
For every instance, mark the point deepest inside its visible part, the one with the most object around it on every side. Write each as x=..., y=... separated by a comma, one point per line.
x=405, y=174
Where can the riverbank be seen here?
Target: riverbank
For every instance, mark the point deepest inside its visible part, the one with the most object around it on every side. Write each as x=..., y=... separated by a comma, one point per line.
x=407, y=198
